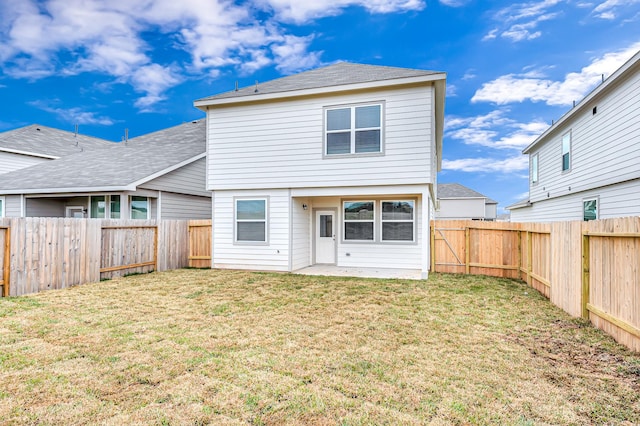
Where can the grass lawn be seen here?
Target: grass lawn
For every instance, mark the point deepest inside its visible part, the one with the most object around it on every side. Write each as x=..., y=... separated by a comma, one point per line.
x=217, y=347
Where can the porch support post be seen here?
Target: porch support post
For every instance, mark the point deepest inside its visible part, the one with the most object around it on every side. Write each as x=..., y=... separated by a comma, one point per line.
x=426, y=238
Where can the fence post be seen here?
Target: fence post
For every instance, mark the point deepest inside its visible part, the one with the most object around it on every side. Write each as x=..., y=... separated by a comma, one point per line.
x=433, y=248
x=467, y=254
x=585, y=275
x=529, y=257
x=6, y=273
x=519, y=231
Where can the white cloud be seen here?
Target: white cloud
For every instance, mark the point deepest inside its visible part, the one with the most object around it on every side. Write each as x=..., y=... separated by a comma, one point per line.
x=533, y=86
x=520, y=21
x=487, y=165
x=609, y=9
x=39, y=38
x=304, y=11
x=494, y=130
x=454, y=3
x=73, y=115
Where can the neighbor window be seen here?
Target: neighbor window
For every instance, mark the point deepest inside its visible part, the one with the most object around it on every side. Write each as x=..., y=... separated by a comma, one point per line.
x=358, y=220
x=251, y=220
x=590, y=209
x=104, y=207
x=1, y=206
x=139, y=207
x=566, y=152
x=353, y=130
x=397, y=221
x=534, y=169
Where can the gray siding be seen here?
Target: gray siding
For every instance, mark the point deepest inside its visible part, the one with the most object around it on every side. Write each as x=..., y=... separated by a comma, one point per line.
x=180, y=206
x=189, y=179
x=12, y=206
x=45, y=207
x=618, y=200
x=605, y=148
x=280, y=144
x=10, y=161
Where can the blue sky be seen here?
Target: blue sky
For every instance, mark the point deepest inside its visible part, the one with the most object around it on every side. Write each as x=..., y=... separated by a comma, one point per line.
x=139, y=64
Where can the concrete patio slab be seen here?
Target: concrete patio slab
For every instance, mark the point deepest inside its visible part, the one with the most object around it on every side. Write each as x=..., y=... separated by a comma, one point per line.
x=338, y=271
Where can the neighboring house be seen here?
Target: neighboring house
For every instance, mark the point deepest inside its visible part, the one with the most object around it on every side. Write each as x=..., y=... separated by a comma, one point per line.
x=34, y=144
x=335, y=165
x=457, y=202
x=587, y=164
x=160, y=175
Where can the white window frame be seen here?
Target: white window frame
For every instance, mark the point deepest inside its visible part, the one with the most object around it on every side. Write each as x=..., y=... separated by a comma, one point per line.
x=568, y=138
x=585, y=201
x=131, y=197
x=265, y=220
x=535, y=169
x=107, y=208
x=3, y=207
x=412, y=221
x=372, y=221
x=353, y=130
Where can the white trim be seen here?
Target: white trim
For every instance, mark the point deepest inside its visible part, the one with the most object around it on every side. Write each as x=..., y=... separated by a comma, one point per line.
x=30, y=154
x=23, y=206
x=202, y=103
x=290, y=251
x=3, y=207
x=68, y=208
x=352, y=191
x=426, y=237
x=159, y=206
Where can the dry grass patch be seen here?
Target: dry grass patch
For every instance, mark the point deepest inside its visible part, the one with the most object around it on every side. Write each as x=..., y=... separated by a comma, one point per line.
x=216, y=347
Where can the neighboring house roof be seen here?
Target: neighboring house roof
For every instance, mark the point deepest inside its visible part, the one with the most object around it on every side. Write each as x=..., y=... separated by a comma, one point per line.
x=47, y=142
x=339, y=74
x=117, y=167
x=455, y=190
x=519, y=204
x=630, y=66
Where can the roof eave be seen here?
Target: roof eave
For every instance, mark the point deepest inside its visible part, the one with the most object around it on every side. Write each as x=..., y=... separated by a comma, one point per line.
x=204, y=103
x=25, y=191
x=619, y=73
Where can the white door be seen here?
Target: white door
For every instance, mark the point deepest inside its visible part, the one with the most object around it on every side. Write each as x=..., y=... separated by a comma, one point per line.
x=325, y=237
x=74, y=211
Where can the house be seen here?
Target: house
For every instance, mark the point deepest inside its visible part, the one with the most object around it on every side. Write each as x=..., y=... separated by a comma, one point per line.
x=587, y=164
x=334, y=166
x=34, y=144
x=160, y=175
x=457, y=202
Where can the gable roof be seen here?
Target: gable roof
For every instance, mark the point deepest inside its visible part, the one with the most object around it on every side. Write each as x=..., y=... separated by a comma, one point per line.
x=628, y=68
x=339, y=74
x=47, y=142
x=455, y=190
x=114, y=168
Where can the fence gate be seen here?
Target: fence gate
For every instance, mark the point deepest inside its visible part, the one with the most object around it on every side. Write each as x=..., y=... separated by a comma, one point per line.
x=5, y=259
x=448, y=249
x=200, y=243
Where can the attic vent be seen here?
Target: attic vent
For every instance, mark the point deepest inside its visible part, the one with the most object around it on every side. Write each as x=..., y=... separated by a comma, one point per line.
x=194, y=122
x=594, y=110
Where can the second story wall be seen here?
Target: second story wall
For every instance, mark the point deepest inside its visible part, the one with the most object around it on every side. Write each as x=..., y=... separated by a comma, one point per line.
x=281, y=144
x=10, y=161
x=604, y=144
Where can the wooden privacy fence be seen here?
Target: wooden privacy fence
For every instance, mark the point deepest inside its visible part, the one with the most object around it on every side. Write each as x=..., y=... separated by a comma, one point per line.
x=589, y=269
x=200, y=244
x=38, y=254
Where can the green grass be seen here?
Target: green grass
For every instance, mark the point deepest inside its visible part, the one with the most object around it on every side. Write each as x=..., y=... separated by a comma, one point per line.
x=223, y=347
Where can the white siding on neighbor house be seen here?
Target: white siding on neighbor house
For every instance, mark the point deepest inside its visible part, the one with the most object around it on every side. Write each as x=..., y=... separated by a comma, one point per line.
x=181, y=206
x=189, y=179
x=10, y=161
x=280, y=144
x=301, y=233
x=618, y=200
x=12, y=206
x=490, y=211
x=462, y=208
x=604, y=146
x=273, y=256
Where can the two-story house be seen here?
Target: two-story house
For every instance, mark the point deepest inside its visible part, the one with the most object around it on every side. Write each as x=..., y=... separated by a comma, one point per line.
x=335, y=166
x=587, y=164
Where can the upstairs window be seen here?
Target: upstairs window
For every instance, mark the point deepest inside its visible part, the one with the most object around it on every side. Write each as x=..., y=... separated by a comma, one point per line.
x=534, y=169
x=566, y=152
x=353, y=130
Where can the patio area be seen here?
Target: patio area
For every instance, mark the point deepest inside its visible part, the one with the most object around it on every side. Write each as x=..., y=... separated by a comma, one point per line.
x=337, y=271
